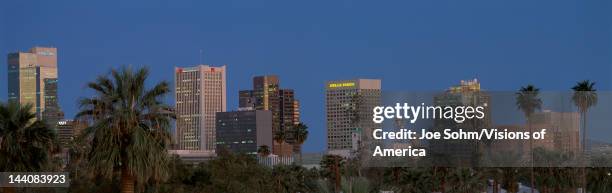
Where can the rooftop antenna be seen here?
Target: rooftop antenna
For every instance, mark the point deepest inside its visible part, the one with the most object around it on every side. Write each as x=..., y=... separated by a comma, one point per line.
x=201, y=53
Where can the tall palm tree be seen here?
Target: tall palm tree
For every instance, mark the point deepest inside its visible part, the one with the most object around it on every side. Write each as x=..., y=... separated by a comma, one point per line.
x=528, y=101
x=129, y=129
x=300, y=134
x=25, y=143
x=280, y=138
x=584, y=97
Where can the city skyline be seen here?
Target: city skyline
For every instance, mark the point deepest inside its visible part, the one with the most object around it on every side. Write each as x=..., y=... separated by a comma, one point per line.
x=571, y=41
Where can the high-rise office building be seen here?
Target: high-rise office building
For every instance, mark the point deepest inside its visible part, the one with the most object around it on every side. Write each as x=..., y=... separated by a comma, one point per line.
x=267, y=95
x=200, y=92
x=32, y=79
x=289, y=115
x=349, y=105
x=467, y=93
x=68, y=130
x=244, y=131
x=52, y=113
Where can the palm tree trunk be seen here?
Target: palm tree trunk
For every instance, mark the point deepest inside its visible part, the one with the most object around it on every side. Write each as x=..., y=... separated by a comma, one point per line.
x=584, y=151
x=127, y=180
x=443, y=184
x=532, y=176
x=495, y=186
x=337, y=174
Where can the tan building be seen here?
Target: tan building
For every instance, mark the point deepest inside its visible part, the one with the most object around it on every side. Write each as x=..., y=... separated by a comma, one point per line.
x=200, y=92
x=349, y=105
x=32, y=79
x=564, y=129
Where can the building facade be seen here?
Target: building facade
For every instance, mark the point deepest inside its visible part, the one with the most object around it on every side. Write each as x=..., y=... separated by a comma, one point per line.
x=267, y=95
x=461, y=152
x=244, y=131
x=200, y=92
x=349, y=105
x=32, y=79
x=564, y=127
x=68, y=130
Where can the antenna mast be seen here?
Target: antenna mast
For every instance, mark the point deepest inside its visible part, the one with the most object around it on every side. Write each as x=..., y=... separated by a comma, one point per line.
x=201, y=53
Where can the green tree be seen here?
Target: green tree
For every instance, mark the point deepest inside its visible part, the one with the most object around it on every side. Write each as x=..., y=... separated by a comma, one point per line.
x=510, y=177
x=25, y=143
x=332, y=169
x=584, y=97
x=263, y=150
x=415, y=180
x=495, y=174
x=239, y=174
x=528, y=101
x=600, y=180
x=466, y=180
x=129, y=128
x=292, y=178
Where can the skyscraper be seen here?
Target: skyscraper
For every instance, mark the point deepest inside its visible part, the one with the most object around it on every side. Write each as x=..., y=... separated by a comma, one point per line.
x=467, y=93
x=267, y=95
x=349, y=105
x=32, y=79
x=68, y=130
x=200, y=92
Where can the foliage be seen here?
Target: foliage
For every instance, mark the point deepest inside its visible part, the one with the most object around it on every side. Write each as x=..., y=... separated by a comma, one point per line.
x=130, y=127
x=26, y=144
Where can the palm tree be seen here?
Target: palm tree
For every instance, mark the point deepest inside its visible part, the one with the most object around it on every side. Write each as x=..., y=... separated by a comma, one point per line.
x=25, y=143
x=528, y=101
x=584, y=97
x=129, y=130
x=300, y=134
x=280, y=138
x=263, y=151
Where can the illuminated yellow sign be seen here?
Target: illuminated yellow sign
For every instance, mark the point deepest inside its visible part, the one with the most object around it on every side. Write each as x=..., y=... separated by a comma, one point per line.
x=344, y=84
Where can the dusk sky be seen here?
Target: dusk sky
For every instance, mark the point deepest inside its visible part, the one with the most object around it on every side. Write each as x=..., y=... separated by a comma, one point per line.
x=412, y=45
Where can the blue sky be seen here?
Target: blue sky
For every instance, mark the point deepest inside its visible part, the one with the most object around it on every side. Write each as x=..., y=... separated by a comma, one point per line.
x=413, y=45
